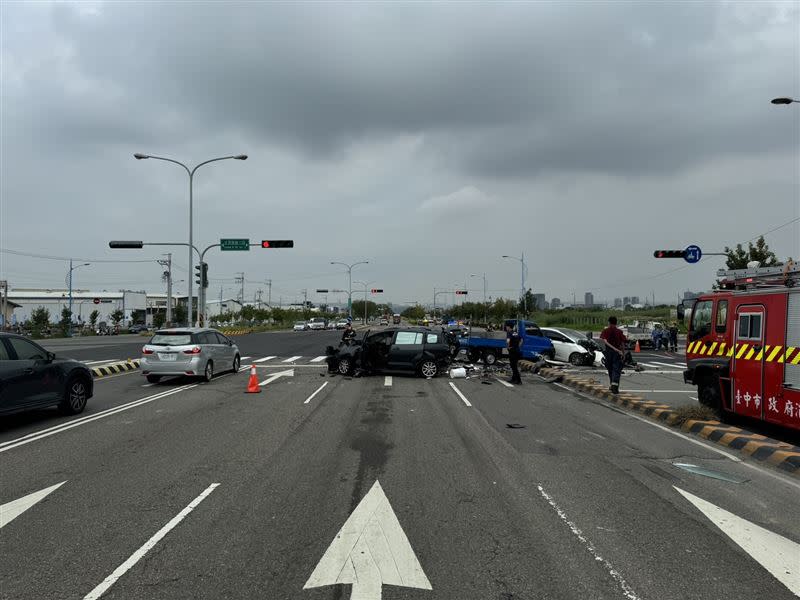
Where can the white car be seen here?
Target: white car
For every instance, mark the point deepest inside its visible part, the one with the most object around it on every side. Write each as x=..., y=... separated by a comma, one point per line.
x=300, y=326
x=573, y=346
x=316, y=324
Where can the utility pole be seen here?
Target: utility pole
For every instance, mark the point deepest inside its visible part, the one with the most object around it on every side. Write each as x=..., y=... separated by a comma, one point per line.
x=260, y=292
x=305, y=299
x=168, y=274
x=4, y=286
x=269, y=293
x=240, y=280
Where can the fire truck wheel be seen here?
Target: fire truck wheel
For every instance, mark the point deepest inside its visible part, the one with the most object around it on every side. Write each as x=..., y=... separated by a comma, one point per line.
x=708, y=392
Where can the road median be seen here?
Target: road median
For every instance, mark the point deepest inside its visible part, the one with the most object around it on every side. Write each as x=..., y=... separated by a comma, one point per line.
x=782, y=455
x=115, y=368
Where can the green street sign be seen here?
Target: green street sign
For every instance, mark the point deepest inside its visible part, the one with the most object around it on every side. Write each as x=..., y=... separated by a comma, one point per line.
x=234, y=244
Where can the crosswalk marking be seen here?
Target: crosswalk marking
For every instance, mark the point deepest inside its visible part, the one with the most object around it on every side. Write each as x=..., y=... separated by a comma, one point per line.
x=319, y=359
x=659, y=366
x=292, y=359
x=265, y=359
x=668, y=365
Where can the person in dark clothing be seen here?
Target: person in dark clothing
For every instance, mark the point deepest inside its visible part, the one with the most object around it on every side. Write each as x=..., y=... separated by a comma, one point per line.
x=614, y=352
x=673, y=337
x=514, y=342
x=349, y=334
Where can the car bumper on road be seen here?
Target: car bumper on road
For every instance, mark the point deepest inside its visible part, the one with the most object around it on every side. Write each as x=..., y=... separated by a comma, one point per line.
x=193, y=366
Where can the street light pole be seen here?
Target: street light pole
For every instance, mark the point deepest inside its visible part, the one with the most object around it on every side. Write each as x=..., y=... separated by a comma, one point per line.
x=71, y=269
x=350, y=283
x=191, y=173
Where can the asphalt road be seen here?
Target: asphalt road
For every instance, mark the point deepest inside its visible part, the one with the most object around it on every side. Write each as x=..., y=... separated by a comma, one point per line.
x=185, y=490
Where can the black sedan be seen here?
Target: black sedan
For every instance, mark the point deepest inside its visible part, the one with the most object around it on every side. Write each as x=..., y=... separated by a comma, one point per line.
x=417, y=350
x=31, y=377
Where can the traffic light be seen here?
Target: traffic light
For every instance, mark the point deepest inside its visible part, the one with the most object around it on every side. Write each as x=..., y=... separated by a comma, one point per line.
x=125, y=244
x=376, y=291
x=277, y=243
x=202, y=274
x=461, y=292
x=670, y=254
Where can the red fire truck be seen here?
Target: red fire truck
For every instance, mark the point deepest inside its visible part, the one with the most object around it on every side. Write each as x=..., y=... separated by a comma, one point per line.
x=743, y=345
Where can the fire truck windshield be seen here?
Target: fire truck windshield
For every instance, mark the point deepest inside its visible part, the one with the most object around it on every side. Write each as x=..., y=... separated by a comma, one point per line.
x=701, y=318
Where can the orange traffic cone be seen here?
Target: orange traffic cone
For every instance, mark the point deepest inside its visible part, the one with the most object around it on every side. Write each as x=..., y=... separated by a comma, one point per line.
x=638, y=348
x=252, y=385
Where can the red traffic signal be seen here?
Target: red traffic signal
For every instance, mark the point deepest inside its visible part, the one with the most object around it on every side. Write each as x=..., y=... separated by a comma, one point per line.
x=277, y=243
x=669, y=253
x=461, y=292
x=376, y=291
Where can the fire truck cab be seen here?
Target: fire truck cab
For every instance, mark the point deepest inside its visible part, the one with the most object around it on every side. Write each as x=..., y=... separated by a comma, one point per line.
x=743, y=346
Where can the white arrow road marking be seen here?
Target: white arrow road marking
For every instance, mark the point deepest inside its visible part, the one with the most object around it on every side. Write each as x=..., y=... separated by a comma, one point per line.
x=274, y=376
x=319, y=389
x=387, y=381
x=778, y=555
x=11, y=510
x=460, y=395
x=148, y=545
x=371, y=550
x=265, y=359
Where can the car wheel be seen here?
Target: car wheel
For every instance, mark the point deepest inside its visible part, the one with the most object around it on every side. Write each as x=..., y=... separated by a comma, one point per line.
x=75, y=396
x=153, y=378
x=474, y=356
x=489, y=358
x=428, y=368
x=236, y=363
x=345, y=366
x=208, y=374
x=576, y=358
x=549, y=354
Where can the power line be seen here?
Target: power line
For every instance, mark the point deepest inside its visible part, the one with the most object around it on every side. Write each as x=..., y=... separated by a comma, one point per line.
x=68, y=258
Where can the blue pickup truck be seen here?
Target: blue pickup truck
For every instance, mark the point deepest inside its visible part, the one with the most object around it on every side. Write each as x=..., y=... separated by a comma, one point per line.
x=489, y=346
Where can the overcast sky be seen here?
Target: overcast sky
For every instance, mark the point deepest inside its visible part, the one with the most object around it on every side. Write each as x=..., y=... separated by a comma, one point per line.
x=427, y=138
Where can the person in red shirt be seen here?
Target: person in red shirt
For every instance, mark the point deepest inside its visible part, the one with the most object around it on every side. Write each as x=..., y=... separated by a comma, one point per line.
x=614, y=352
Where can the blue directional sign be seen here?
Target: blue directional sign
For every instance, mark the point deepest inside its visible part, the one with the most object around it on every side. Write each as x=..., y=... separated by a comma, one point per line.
x=692, y=254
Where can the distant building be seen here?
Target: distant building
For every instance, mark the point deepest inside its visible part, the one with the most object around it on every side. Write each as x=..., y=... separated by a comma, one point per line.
x=588, y=299
x=626, y=301
x=618, y=303
x=539, y=301
x=555, y=303
x=635, y=300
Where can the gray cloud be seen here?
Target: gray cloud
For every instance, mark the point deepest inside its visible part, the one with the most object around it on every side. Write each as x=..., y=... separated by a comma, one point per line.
x=411, y=126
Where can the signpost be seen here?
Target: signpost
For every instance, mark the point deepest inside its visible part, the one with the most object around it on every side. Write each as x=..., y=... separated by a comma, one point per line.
x=235, y=244
x=692, y=254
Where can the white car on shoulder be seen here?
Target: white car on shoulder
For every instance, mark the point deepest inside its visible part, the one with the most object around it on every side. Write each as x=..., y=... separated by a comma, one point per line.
x=300, y=326
x=573, y=346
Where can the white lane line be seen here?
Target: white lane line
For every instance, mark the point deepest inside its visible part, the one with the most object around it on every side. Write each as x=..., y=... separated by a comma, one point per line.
x=693, y=398
x=460, y=395
x=504, y=382
x=627, y=590
x=246, y=357
x=668, y=365
x=11, y=510
x=292, y=359
x=274, y=376
x=97, y=362
x=244, y=368
x=686, y=391
x=319, y=359
x=387, y=381
x=777, y=554
x=265, y=359
x=654, y=424
x=38, y=435
x=148, y=545
x=319, y=389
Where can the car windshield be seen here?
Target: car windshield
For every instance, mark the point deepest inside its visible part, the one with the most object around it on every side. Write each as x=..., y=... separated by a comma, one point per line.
x=171, y=339
x=574, y=335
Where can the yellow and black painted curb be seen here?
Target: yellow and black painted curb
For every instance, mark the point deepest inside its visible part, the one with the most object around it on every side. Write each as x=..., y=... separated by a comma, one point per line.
x=744, y=351
x=115, y=368
x=236, y=331
x=785, y=457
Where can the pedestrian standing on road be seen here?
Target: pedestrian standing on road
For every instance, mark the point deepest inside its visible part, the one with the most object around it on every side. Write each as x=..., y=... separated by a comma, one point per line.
x=673, y=337
x=614, y=352
x=655, y=337
x=514, y=342
x=348, y=334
